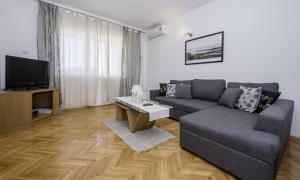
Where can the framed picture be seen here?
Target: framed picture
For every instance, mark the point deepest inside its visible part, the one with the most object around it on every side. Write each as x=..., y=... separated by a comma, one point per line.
x=205, y=49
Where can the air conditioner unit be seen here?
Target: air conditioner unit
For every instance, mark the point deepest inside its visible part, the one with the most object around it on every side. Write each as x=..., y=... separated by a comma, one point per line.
x=156, y=31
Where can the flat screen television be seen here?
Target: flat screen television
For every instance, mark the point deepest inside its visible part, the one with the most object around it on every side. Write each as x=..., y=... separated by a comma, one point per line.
x=24, y=73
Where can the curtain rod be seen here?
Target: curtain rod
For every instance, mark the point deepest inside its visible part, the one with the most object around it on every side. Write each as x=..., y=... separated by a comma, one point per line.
x=90, y=14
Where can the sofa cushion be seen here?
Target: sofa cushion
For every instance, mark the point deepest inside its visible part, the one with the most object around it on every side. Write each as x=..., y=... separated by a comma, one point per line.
x=171, y=89
x=206, y=89
x=234, y=129
x=249, y=99
x=187, y=105
x=183, y=91
x=230, y=97
x=163, y=89
x=179, y=91
x=187, y=82
x=266, y=100
x=265, y=86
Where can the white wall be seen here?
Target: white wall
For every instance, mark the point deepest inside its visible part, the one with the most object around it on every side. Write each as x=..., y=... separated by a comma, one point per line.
x=17, y=31
x=262, y=41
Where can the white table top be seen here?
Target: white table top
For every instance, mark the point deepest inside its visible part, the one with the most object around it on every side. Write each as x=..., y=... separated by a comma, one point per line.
x=155, y=111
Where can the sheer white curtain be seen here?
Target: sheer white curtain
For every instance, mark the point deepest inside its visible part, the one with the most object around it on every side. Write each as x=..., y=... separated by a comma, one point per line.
x=90, y=57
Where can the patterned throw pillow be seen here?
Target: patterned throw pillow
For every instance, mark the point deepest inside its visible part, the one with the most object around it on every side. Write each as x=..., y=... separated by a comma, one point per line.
x=267, y=99
x=163, y=89
x=249, y=99
x=171, y=90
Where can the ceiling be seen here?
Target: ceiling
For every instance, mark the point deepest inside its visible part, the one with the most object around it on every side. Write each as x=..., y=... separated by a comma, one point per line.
x=142, y=14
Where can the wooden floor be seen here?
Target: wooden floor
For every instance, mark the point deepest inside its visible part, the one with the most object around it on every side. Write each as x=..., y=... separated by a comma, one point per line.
x=76, y=145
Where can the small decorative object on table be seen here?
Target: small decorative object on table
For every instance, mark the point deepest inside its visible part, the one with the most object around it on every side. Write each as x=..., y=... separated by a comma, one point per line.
x=137, y=94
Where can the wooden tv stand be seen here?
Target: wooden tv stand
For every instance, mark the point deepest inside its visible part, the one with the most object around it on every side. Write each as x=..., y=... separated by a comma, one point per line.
x=16, y=107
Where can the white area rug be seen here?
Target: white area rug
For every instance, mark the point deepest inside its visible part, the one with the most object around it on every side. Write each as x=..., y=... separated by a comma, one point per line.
x=140, y=141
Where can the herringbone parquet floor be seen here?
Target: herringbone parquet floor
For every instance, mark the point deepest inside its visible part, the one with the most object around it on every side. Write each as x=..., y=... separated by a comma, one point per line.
x=76, y=146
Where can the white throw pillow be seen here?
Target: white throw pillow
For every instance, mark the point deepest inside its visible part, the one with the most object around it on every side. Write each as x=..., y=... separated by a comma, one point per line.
x=171, y=89
x=249, y=99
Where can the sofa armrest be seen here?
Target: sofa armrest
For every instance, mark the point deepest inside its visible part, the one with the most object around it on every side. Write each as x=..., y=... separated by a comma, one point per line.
x=154, y=93
x=277, y=119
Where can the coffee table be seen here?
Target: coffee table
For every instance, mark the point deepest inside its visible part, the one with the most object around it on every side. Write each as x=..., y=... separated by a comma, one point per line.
x=139, y=117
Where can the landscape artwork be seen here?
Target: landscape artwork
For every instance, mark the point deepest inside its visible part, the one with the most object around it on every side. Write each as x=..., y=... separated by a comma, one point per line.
x=206, y=49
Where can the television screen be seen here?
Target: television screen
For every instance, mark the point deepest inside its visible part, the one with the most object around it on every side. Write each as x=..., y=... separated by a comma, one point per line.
x=26, y=73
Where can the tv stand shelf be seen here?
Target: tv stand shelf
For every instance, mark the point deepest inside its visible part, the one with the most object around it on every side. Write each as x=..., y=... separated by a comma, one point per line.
x=38, y=117
x=16, y=107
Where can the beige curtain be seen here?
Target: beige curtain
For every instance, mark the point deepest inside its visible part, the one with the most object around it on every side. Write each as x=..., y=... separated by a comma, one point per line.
x=48, y=39
x=131, y=60
x=91, y=54
x=91, y=60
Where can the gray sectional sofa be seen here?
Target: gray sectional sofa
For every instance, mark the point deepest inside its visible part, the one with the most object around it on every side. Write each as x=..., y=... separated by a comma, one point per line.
x=248, y=145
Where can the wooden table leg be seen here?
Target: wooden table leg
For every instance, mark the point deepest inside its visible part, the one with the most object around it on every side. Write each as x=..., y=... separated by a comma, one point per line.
x=121, y=114
x=137, y=120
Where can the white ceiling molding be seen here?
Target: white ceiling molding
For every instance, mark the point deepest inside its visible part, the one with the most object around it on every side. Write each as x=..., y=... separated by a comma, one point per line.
x=93, y=15
x=138, y=14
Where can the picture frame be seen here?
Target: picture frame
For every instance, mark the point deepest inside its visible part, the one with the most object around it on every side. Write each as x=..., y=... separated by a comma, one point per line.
x=205, y=49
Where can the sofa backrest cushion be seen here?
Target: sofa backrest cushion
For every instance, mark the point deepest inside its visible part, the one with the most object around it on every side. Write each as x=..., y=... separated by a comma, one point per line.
x=266, y=86
x=207, y=89
x=185, y=82
x=183, y=91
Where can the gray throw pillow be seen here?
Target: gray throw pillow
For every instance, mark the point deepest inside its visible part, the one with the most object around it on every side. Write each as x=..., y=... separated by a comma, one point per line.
x=183, y=91
x=230, y=97
x=249, y=99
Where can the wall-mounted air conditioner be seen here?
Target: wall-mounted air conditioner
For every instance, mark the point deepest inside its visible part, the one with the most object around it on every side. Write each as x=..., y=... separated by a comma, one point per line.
x=156, y=31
